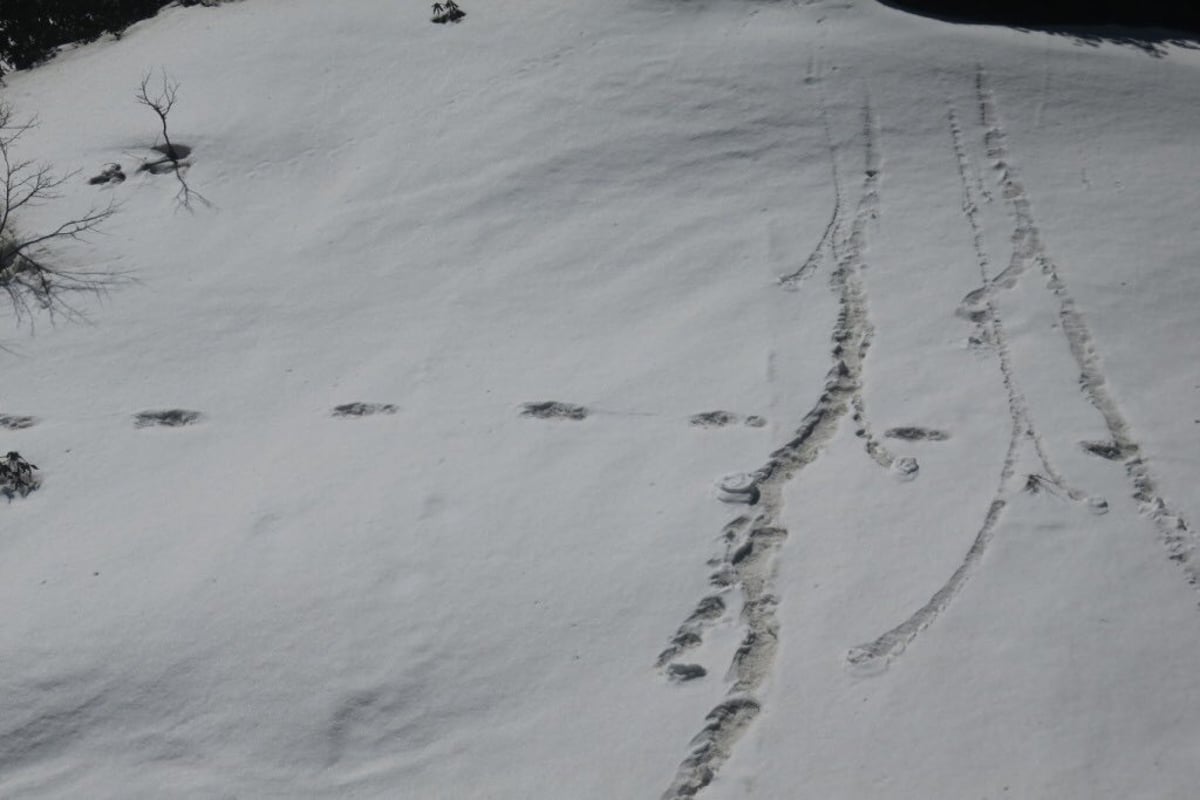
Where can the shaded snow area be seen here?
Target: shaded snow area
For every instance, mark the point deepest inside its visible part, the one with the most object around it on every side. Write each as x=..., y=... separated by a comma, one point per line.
x=596, y=401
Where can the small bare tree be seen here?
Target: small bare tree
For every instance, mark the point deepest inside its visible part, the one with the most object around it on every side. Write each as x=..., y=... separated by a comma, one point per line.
x=29, y=274
x=161, y=103
x=161, y=100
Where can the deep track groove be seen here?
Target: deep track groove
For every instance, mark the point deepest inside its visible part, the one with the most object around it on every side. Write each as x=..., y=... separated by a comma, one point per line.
x=792, y=279
x=874, y=656
x=1174, y=533
x=752, y=543
x=979, y=307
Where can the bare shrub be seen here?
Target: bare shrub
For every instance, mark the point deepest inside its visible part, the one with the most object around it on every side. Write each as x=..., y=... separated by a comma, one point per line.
x=161, y=99
x=30, y=274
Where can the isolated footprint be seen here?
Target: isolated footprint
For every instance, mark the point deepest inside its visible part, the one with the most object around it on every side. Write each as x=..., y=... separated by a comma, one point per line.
x=166, y=418
x=713, y=419
x=552, y=409
x=906, y=467
x=16, y=422
x=914, y=433
x=1107, y=450
x=719, y=419
x=363, y=409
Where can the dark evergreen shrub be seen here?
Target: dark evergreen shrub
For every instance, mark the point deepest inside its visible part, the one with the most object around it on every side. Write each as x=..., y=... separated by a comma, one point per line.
x=30, y=30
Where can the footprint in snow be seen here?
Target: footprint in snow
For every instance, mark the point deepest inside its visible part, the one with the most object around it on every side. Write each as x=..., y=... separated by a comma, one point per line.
x=682, y=673
x=1106, y=450
x=166, y=418
x=720, y=419
x=552, y=409
x=914, y=433
x=713, y=419
x=363, y=409
x=16, y=422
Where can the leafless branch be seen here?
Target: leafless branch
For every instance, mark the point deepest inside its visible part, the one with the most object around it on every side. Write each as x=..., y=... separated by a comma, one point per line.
x=186, y=194
x=161, y=103
x=30, y=273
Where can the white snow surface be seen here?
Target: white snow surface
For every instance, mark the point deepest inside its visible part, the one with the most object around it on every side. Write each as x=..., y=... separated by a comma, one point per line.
x=990, y=236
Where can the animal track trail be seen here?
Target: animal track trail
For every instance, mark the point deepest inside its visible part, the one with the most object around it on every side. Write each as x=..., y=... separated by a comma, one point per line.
x=752, y=542
x=875, y=656
x=1173, y=530
x=848, y=282
x=979, y=307
x=878, y=452
x=817, y=255
x=1025, y=446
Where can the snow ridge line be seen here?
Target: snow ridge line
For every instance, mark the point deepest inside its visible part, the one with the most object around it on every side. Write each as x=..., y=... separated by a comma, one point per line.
x=752, y=543
x=1174, y=533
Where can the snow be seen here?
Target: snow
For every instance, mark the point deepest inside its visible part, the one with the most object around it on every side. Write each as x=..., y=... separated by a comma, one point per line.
x=593, y=205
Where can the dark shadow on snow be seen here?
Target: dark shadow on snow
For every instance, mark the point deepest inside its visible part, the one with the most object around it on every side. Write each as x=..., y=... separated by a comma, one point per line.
x=1152, y=26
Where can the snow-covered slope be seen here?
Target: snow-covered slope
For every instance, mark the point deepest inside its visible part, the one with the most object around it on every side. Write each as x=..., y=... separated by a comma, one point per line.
x=831, y=216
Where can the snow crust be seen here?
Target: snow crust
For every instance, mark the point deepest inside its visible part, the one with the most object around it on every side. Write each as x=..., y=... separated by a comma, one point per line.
x=915, y=264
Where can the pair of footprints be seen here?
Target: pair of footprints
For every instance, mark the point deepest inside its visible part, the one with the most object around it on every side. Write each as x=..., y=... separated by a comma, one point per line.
x=553, y=409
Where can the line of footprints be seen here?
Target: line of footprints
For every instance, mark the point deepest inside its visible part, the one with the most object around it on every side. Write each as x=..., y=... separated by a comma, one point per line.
x=23, y=481
x=547, y=410
x=551, y=409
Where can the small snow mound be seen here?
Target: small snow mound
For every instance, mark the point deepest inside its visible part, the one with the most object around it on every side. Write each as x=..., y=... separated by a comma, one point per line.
x=739, y=487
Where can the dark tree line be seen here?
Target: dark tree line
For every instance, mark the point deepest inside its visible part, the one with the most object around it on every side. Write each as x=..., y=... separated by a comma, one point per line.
x=30, y=30
x=1176, y=14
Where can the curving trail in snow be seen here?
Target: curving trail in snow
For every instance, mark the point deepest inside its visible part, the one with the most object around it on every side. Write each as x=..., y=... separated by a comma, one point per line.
x=393, y=471
x=1026, y=466
x=752, y=541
